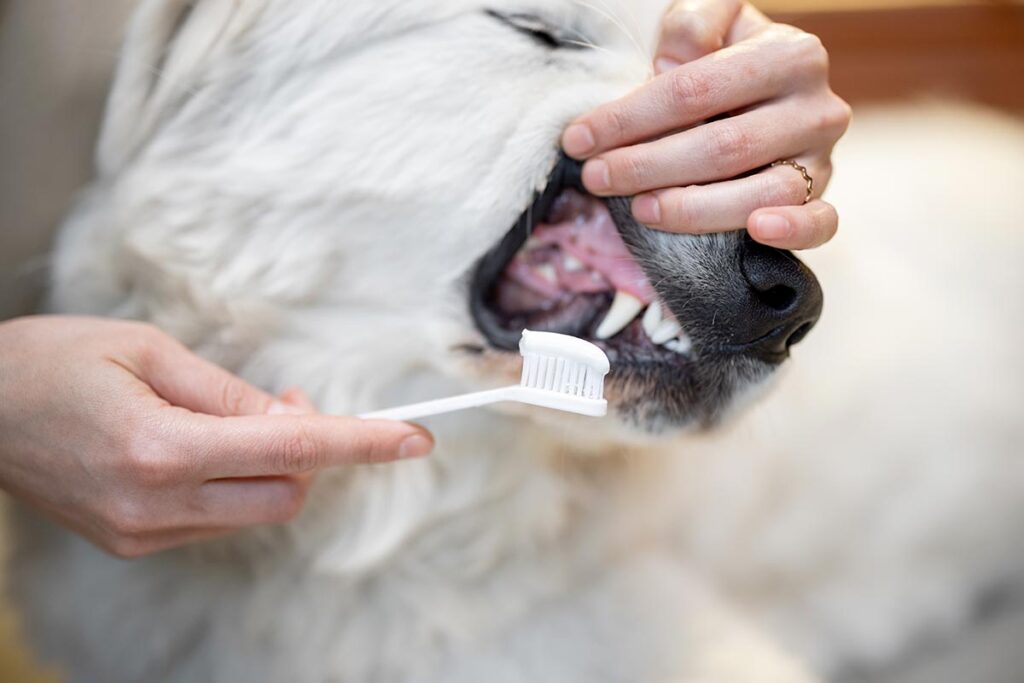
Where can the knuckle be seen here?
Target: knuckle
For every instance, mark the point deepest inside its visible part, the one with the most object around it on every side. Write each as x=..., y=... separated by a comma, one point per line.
x=147, y=343
x=629, y=170
x=783, y=190
x=146, y=332
x=781, y=36
x=691, y=27
x=150, y=338
x=688, y=87
x=149, y=463
x=613, y=122
x=802, y=48
x=301, y=452
x=142, y=464
x=232, y=396
x=127, y=519
x=833, y=116
x=374, y=447
x=682, y=212
x=812, y=53
x=730, y=144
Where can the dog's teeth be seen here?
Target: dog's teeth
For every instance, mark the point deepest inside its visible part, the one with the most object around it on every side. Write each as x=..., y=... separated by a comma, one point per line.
x=652, y=318
x=661, y=328
x=571, y=263
x=680, y=344
x=624, y=308
x=547, y=271
x=666, y=330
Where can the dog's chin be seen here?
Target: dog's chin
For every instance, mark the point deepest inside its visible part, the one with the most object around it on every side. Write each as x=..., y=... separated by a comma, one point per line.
x=565, y=267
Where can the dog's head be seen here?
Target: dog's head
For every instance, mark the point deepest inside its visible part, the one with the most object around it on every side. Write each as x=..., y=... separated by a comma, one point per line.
x=384, y=177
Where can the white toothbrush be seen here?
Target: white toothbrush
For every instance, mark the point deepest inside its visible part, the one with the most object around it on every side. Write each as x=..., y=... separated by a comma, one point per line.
x=559, y=371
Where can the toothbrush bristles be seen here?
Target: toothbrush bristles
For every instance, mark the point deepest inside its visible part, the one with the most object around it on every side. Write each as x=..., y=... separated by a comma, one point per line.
x=563, y=376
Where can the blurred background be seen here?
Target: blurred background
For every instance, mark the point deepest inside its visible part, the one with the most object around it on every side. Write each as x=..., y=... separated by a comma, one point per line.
x=962, y=62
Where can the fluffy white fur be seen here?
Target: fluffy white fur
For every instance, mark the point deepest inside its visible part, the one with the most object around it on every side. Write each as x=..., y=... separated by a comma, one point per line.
x=296, y=189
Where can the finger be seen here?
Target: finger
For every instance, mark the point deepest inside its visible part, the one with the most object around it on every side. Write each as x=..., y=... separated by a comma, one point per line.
x=726, y=205
x=185, y=380
x=692, y=29
x=748, y=24
x=714, y=151
x=244, y=502
x=794, y=227
x=733, y=79
x=293, y=444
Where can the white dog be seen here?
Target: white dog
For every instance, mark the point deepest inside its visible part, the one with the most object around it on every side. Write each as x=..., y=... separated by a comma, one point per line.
x=338, y=195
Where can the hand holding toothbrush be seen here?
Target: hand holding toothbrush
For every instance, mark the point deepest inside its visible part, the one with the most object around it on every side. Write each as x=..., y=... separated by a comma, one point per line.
x=118, y=432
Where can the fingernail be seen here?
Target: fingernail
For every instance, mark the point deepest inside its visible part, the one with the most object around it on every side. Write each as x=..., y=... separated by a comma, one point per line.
x=772, y=226
x=596, y=176
x=647, y=209
x=415, y=446
x=663, y=64
x=280, y=408
x=578, y=140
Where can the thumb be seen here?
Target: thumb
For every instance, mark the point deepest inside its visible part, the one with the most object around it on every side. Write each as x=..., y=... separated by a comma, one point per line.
x=185, y=380
x=692, y=29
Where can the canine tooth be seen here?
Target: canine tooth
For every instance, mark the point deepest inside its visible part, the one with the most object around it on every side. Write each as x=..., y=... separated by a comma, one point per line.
x=680, y=344
x=652, y=318
x=624, y=308
x=666, y=331
x=547, y=271
x=571, y=263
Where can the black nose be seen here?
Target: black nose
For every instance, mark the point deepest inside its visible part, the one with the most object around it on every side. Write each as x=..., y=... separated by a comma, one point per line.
x=783, y=301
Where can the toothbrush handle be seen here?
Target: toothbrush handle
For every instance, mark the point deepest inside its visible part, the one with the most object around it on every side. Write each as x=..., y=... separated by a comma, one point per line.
x=444, y=405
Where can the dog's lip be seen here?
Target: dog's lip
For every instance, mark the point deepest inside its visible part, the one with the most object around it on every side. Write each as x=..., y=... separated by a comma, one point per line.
x=566, y=176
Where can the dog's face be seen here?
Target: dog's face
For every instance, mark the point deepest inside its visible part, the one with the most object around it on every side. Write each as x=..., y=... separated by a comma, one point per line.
x=385, y=177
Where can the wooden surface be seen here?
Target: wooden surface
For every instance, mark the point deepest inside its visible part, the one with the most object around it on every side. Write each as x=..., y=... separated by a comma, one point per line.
x=968, y=52
x=859, y=5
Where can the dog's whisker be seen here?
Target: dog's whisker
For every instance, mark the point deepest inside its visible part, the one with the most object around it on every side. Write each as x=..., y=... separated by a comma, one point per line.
x=617, y=23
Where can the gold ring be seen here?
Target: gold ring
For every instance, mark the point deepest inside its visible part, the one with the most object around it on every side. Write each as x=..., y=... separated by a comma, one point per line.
x=803, y=171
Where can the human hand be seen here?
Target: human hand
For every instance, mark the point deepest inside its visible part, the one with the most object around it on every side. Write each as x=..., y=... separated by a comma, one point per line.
x=122, y=434
x=734, y=92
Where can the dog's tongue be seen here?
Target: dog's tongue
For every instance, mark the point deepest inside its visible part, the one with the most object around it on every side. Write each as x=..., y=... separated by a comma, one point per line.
x=579, y=251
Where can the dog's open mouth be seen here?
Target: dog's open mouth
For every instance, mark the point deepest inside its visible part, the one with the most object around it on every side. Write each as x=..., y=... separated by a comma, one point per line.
x=565, y=268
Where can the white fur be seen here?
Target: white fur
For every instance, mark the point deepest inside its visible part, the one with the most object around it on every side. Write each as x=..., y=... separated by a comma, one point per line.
x=298, y=192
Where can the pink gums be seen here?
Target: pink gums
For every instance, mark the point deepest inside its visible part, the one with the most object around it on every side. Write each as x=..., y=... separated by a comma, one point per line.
x=581, y=229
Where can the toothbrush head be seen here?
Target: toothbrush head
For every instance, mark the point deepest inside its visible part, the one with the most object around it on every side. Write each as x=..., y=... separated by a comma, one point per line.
x=563, y=372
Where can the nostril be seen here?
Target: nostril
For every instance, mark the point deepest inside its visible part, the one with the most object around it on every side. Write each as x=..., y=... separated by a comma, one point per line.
x=799, y=333
x=778, y=298
x=783, y=301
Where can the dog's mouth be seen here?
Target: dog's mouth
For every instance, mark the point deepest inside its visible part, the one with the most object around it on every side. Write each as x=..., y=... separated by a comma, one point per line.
x=565, y=268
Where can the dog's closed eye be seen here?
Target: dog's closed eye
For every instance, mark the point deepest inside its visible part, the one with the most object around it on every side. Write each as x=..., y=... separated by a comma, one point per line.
x=541, y=30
